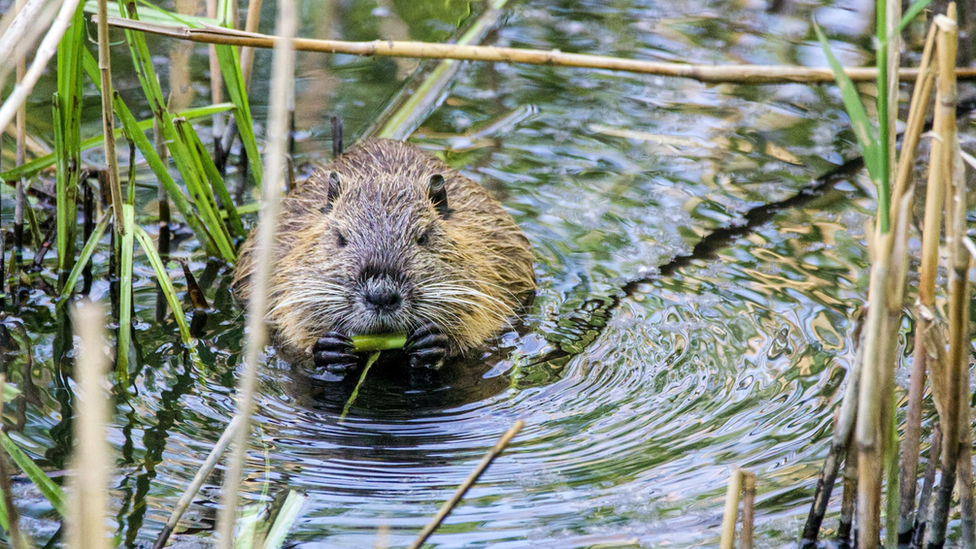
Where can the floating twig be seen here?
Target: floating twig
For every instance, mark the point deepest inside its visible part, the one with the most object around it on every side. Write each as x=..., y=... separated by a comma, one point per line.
x=734, y=74
x=467, y=484
x=198, y=479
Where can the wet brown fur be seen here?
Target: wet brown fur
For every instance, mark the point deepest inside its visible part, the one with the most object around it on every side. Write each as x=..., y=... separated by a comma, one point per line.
x=469, y=278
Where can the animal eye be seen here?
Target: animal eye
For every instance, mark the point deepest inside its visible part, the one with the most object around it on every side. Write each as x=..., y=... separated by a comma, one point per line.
x=424, y=239
x=341, y=240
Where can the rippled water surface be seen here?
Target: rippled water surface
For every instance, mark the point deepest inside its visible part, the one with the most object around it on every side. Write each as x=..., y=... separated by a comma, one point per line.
x=640, y=388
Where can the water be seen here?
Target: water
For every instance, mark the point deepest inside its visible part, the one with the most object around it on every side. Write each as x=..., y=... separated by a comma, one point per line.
x=637, y=403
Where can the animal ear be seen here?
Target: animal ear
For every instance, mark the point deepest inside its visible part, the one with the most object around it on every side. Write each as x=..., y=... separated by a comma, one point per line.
x=437, y=192
x=333, y=193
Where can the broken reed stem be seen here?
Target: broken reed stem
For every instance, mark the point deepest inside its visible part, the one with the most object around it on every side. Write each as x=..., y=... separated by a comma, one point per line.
x=845, y=523
x=928, y=481
x=108, y=116
x=46, y=50
x=282, y=88
x=748, y=509
x=202, y=473
x=735, y=74
x=21, y=55
x=13, y=517
x=925, y=308
x=840, y=441
x=91, y=457
x=467, y=484
x=967, y=506
x=956, y=375
x=731, y=509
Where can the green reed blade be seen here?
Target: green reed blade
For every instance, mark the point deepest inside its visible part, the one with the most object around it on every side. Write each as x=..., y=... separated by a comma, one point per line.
x=190, y=169
x=86, y=254
x=202, y=196
x=32, y=168
x=912, y=11
x=155, y=163
x=216, y=181
x=125, y=294
x=148, y=246
x=154, y=14
x=283, y=517
x=355, y=392
x=69, y=154
x=387, y=342
x=867, y=136
x=230, y=68
x=51, y=491
x=408, y=109
x=35, y=228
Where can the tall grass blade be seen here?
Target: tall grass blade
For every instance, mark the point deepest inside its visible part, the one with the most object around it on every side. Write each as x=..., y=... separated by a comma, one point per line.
x=32, y=168
x=910, y=14
x=216, y=182
x=190, y=169
x=69, y=125
x=51, y=491
x=165, y=283
x=230, y=69
x=86, y=254
x=201, y=193
x=867, y=138
x=125, y=294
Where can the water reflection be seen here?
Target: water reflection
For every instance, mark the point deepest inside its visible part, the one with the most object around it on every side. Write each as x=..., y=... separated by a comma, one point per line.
x=643, y=372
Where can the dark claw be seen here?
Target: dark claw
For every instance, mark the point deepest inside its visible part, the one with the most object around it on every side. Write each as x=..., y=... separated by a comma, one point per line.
x=427, y=347
x=333, y=351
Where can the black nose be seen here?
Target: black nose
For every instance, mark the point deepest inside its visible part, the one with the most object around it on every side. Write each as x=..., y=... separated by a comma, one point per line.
x=383, y=298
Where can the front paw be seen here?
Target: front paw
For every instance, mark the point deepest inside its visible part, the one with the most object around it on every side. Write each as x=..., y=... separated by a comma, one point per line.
x=427, y=347
x=334, y=352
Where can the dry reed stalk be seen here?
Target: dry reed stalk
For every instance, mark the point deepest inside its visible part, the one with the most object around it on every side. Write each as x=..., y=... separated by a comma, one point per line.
x=467, y=484
x=926, y=299
x=250, y=26
x=216, y=85
x=91, y=456
x=949, y=390
x=967, y=504
x=845, y=523
x=24, y=23
x=198, y=479
x=13, y=517
x=47, y=49
x=731, y=509
x=108, y=116
x=735, y=74
x=928, y=481
x=21, y=53
x=747, y=534
x=840, y=442
x=282, y=88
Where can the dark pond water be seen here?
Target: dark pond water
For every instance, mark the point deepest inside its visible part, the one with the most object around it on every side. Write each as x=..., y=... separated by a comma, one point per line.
x=638, y=398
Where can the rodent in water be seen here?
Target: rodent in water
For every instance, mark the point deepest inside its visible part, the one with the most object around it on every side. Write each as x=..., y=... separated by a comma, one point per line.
x=386, y=239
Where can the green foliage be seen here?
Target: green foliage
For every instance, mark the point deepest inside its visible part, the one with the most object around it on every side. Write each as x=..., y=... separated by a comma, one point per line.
x=189, y=165
x=125, y=293
x=369, y=343
x=867, y=136
x=913, y=10
x=165, y=284
x=86, y=253
x=230, y=69
x=47, y=487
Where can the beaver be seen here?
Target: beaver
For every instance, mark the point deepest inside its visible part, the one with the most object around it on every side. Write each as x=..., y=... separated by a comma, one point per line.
x=385, y=239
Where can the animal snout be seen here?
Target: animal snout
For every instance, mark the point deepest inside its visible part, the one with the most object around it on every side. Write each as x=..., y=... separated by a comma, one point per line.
x=383, y=297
